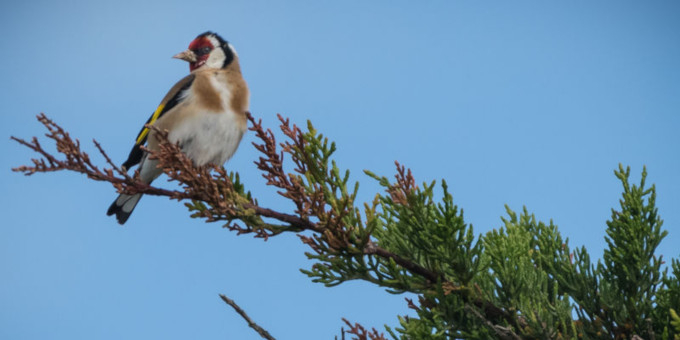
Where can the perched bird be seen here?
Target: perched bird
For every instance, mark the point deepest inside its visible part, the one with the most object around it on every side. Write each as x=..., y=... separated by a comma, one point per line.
x=205, y=112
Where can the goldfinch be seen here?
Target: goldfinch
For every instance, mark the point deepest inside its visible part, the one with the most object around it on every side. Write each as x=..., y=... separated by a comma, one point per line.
x=205, y=112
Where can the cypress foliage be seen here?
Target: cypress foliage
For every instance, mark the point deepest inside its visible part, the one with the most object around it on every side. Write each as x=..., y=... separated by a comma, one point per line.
x=521, y=281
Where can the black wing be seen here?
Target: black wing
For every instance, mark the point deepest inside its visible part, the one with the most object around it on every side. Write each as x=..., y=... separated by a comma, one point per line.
x=171, y=99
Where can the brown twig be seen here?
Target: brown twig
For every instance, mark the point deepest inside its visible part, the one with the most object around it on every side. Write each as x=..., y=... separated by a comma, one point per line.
x=372, y=249
x=261, y=331
x=361, y=332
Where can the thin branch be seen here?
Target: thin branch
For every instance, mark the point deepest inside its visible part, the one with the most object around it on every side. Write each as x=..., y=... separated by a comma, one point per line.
x=361, y=332
x=261, y=331
x=372, y=249
x=293, y=220
x=504, y=333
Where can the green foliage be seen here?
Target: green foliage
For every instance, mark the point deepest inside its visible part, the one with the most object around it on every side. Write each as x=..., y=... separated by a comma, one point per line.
x=433, y=235
x=630, y=273
x=668, y=299
x=521, y=281
x=675, y=323
x=519, y=256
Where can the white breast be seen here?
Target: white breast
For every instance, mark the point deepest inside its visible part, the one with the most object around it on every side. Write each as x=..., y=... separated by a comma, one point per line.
x=210, y=137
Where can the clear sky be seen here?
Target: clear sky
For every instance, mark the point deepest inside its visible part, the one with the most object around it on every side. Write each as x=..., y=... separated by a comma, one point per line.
x=523, y=103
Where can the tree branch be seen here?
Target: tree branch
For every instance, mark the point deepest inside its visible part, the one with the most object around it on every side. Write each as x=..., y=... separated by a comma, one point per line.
x=216, y=195
x=261, y=331
x=504, y=333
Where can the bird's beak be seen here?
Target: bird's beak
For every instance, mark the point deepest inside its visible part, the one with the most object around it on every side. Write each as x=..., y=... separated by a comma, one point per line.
x=187, y=55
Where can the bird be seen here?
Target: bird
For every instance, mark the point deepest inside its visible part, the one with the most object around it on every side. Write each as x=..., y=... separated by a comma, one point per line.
x=204, y=112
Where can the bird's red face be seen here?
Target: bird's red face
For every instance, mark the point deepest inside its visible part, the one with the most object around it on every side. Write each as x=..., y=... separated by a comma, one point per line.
x=201, y=48
x=208, y=50
x=198, y=53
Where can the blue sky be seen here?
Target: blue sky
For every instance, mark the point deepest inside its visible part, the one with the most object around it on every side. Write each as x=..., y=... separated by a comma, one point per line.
x=521, y=103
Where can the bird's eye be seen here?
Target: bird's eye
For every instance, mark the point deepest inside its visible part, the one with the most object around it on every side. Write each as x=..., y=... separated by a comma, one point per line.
x=202, y=51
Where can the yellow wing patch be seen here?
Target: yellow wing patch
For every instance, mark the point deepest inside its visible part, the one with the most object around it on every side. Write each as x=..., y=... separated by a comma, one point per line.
x=154, y=117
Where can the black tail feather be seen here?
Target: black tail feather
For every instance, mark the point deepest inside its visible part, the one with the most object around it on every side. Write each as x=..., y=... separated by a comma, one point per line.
x=123, y=207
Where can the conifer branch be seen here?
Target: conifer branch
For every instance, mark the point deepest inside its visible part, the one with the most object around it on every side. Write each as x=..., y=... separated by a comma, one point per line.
x=213, y=186
x=512, y=283
x=261, y=331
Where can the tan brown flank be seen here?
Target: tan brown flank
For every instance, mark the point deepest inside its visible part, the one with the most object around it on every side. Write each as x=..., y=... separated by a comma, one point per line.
x=205, y=92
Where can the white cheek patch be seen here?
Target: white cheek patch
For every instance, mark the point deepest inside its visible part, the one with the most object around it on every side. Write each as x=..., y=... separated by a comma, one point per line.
x=216, y=58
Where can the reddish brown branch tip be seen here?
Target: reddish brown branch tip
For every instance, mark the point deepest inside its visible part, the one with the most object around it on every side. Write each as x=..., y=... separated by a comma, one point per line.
x=362, y=333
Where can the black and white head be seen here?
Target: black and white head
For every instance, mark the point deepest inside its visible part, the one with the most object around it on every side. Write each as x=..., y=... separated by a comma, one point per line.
x=208, y=50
